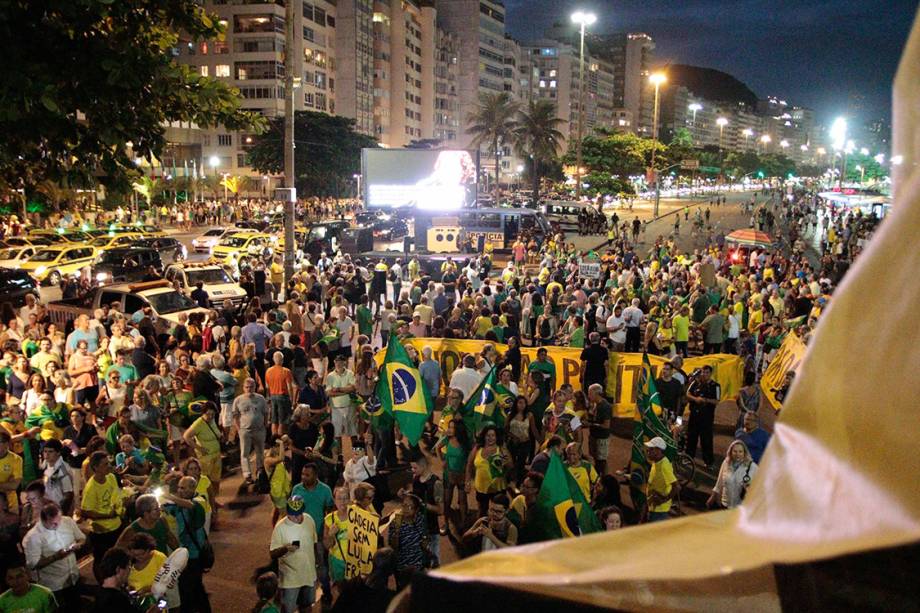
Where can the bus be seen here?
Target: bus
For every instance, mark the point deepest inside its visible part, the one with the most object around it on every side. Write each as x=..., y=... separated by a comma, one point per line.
x=500, y=227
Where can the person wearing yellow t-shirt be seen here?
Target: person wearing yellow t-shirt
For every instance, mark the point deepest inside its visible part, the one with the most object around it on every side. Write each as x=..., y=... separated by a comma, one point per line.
x=681, y=325
x=147, y=562
x=335, y=535
x=103, y=506
x=662, y=488
x=583, y=472
x=755, y=318
x=482, y=324
x=10, y=471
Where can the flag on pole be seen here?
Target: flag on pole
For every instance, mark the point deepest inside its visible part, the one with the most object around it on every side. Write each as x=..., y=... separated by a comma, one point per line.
x=402, y=393
x=648, y=424
x=562, y=510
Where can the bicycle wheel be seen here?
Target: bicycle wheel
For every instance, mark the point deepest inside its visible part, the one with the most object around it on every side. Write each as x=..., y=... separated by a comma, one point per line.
x=684, y=469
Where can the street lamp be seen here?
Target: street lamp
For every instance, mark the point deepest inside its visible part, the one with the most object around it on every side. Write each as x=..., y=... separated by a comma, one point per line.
x=879, y=159
x=584, y=20
x=721, y=122
x=897, y=160
x=784, y=143
x=656, y=79
x=765, y=140
x=748, y=133
x=694, y=107
x=214, y=161
x=863, y=151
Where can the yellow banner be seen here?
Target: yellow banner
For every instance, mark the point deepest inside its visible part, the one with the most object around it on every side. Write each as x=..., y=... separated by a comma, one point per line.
x=362, y=542
x=622, y=369
x=788, y=357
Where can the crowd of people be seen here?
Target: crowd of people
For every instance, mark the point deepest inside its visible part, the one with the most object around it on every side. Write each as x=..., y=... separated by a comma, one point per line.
x=118, y=430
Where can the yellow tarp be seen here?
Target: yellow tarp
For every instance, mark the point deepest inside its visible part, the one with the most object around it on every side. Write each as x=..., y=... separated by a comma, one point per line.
x=839, y=476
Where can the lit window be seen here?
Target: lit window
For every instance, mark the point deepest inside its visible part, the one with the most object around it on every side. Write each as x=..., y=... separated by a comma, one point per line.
x=542, y=83
x=552, y=83
x=222, y=70
x=204, y=71
x=552, y=73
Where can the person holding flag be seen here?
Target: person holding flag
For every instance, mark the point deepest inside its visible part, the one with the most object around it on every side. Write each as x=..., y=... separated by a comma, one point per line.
x=487, y=468
x=402, y=393
x=648, y=427
x=561, y=509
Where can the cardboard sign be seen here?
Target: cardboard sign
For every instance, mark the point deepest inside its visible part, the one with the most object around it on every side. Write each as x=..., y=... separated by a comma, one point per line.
x=362, y=542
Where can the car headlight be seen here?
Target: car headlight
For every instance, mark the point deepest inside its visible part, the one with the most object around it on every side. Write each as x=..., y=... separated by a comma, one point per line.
x=41, y=270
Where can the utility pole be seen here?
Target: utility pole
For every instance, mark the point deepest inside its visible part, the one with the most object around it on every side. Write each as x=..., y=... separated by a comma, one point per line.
x=289, y=202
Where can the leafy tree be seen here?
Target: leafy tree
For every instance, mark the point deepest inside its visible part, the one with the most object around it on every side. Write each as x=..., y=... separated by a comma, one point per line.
x=328, y=152
x=537, y=137
x=147, y=187
x=776, y=165
x=83, y=78
x=740, y=163
x=492, y=123
x=55, y=193
x=619, y=154
x=603, y=183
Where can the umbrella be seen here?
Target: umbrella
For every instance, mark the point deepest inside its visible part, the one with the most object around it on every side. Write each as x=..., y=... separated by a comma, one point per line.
x=750, y=238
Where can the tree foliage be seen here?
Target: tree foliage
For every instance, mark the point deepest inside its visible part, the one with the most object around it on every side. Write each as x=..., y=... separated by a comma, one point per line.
x=82, y=78
x=537, y=137
x=327, y=153
x=620, y=155
x=493, y=123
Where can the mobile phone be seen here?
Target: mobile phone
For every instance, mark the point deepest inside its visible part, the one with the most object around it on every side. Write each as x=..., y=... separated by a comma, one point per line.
x=296, y=543
x=161, y=605
x=679, y=421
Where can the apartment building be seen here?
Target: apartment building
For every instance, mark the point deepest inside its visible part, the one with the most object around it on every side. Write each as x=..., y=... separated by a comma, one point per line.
x=251, y=58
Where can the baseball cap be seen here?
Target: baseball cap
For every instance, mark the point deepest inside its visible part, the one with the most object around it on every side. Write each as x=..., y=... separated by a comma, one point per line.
x=657, y=442
x=295, y=506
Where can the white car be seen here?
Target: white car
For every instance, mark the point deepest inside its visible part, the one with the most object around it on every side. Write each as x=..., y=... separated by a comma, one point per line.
x=207, y=241
x=213, y=277
x=12, y=257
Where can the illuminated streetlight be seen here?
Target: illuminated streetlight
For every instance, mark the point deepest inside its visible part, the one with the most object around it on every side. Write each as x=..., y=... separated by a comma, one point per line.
x=584, y=20
x=784, y=143
x=839, y=133
x=822, y=151
x=863, y=151
x=694, y=107
x=214, y=161
x=656, y=79
x=803, y=147
x=879, y=159
x=897, y=160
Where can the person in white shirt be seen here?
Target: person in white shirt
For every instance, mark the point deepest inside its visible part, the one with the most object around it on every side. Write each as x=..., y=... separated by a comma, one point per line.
x=466, y=378
x=293, y=545
x=58, y=478
x=345, y=326
x=49, y=549
x=360, y=467
x=633, y=316
x=616, y=328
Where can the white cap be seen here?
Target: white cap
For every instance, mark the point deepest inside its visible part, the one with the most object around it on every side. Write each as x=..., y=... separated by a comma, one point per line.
x=657, y=442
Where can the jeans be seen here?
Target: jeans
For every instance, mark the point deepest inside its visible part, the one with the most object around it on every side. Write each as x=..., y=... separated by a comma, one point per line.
x=251, y=441
x=294, y=598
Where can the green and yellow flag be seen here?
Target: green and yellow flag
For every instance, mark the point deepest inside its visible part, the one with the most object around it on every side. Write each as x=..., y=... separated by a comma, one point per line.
x=648, y=425
x=562, y=509
x=402, y=393
x=488, y=404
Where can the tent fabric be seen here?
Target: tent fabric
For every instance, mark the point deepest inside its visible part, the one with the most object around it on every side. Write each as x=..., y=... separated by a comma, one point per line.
x=754, y=238
x=839, y=476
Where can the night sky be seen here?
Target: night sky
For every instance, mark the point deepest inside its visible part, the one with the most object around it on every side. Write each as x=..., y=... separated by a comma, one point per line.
x=811, y=53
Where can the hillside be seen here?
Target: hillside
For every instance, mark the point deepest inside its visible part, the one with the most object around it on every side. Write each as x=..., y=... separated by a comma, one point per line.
x=711, y=84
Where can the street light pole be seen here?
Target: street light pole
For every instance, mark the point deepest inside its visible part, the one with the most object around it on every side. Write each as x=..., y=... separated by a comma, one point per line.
x=584, y=20
x=722, y=122
x=657, y=79
x=289, y=14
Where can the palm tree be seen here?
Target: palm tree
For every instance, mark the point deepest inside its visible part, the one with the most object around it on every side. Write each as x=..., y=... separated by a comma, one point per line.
x=536, y=137
x=492, y=122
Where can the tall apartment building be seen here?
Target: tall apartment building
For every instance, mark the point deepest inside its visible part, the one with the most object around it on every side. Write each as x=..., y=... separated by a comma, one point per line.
x=558, y=69
x=251, y=58
x=478, y=29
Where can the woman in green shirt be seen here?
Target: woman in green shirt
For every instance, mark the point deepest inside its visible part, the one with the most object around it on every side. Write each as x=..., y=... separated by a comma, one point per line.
x=454, y=449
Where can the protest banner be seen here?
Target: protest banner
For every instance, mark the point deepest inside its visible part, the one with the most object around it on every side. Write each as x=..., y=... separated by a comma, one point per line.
x=362, y=542
x=622, y=368
x=788, y=357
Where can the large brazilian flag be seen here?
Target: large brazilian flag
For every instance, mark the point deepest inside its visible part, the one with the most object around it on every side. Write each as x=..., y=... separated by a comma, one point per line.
x=402, y=393
x=563, y=510
x=489, y=404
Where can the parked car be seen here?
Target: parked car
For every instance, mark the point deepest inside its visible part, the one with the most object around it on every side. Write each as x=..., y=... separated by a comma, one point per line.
x=160, y=296
x=171, y=250
x=12, y=257
x=50, y=264
x=214, y=278
x=207, y=241
x=15, y=284
x=126, y=265
x=390, y=230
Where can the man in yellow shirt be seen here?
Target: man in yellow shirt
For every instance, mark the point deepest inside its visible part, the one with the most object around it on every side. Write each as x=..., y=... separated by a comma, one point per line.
x=10, y=471
x=662, y=489
x=583, y=472
x=102, y=505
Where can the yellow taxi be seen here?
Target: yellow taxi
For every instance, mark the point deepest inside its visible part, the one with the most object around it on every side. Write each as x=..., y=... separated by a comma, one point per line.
x=111, y=241
x=239, y=244
x=50, y=264
x=148, y=230
x=300, y=237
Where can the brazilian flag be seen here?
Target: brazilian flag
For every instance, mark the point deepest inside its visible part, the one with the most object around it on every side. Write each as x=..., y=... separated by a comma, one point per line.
x=648, y=425
x=487, y=404
x=402, y=393
x=372, y=411
x=562, y=510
